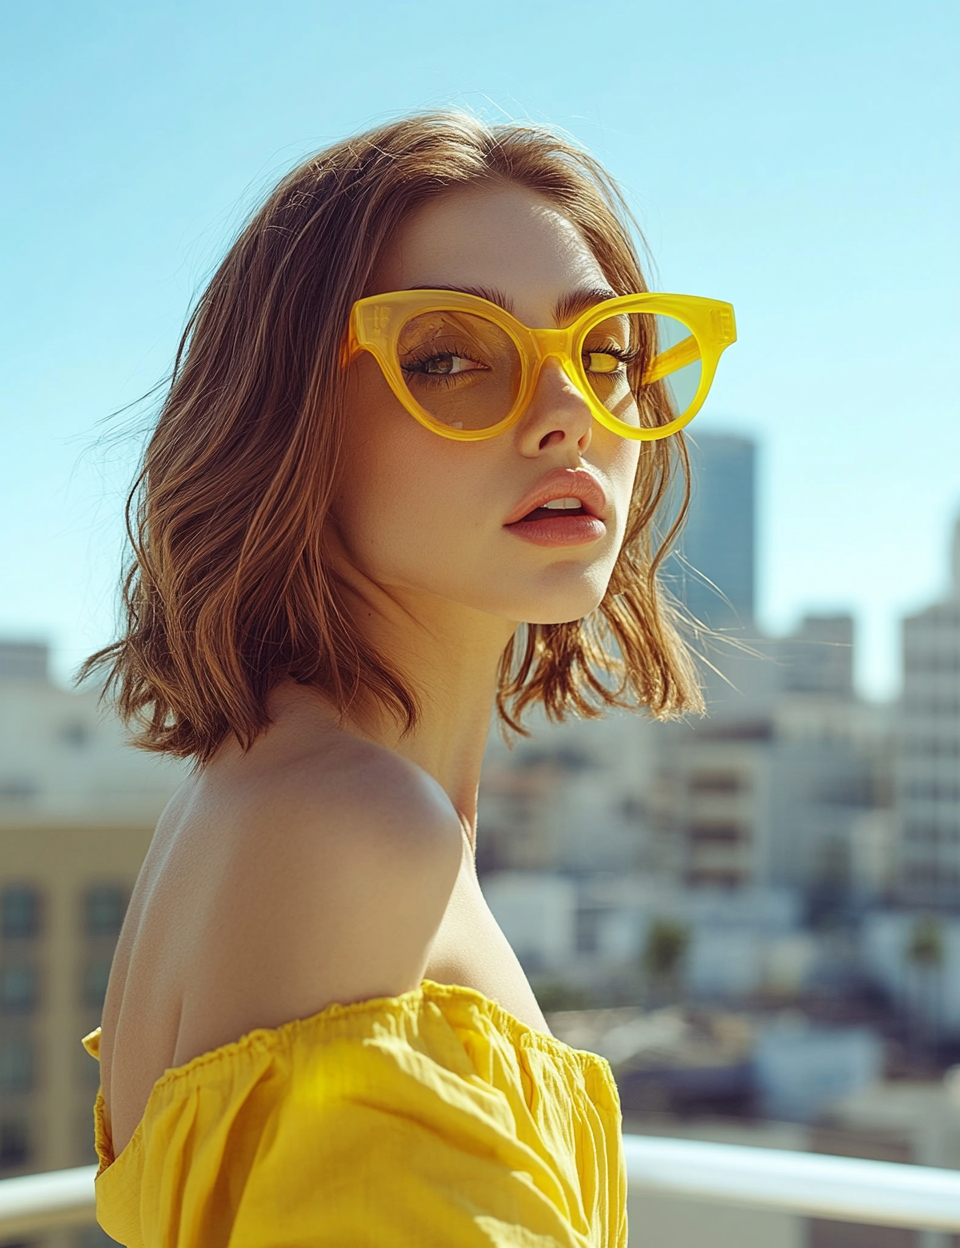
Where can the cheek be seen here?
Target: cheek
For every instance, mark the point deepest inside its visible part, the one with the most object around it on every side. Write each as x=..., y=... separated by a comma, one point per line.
x=400, y=486
x=627, y=462
x=372, y=452
x=620, y=461
x=376, y=501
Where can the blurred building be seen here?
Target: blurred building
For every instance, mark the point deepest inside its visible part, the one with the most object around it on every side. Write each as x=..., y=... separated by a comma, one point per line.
x=909, y=1120
x=717, y=571
x=787, y=783
x=818, y=657
x=77, y=810
x=693, y=1060
x=915, y=955
x=593, y=933
x=800, y=1066
x=928, y=771
x=572, y=797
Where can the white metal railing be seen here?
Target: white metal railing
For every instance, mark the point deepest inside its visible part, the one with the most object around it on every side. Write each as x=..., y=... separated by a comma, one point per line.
x=815, y=1185
x=881, y=1193
x=41, y=1202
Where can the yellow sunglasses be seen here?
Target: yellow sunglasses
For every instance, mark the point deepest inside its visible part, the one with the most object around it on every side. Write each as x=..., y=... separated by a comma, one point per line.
x=466, y=369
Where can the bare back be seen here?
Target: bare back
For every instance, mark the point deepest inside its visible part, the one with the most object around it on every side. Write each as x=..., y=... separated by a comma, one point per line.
x=316, y=868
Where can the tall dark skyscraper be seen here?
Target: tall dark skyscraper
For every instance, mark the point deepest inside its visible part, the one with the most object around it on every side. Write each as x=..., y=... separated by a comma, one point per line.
x=719, y=539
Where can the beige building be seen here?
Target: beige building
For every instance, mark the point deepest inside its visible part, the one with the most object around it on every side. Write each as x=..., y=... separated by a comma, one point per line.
x=77, y=810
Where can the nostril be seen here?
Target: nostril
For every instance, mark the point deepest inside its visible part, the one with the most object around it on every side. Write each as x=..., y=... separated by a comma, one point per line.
x=558, y=405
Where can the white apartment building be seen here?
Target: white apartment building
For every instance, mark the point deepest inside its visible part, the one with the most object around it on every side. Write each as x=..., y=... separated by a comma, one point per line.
x=787, y=783
x=571, y=797
x=928, y=771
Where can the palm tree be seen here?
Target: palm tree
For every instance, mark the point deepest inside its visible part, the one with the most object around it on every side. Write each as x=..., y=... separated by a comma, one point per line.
x=664, y=952
x=925, y=951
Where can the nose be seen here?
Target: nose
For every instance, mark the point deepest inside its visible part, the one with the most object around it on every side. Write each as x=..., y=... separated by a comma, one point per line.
x=557, y=412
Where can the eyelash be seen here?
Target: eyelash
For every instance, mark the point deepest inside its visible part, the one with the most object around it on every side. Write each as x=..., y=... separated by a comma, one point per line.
x=626, y=355
x=424, y=354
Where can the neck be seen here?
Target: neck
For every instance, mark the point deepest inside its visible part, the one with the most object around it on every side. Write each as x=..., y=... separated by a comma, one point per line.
x=449, y=656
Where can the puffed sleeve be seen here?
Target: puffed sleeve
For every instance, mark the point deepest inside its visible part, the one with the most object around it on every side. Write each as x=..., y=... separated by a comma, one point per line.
x=417, y=1124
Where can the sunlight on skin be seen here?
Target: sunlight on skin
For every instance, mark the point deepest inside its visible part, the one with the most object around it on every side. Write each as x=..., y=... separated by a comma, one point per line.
x=436, y=579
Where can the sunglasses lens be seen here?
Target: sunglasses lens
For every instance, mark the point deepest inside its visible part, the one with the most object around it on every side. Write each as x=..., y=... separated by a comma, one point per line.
x=645, y=368
x=461, y=368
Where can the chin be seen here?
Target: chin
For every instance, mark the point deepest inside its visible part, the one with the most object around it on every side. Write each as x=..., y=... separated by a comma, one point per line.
x=560, y=609
x=558, y=599
x=541, y=618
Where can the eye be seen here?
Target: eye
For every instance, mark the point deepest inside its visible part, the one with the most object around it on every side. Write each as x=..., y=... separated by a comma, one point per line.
x=444, y=365
x=602, y=361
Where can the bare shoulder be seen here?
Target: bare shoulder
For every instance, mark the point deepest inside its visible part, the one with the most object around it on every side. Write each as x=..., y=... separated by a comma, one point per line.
x=334, y=871
x=357, y=787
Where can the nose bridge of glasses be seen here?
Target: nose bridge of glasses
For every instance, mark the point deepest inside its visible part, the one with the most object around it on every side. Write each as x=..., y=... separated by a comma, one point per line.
x=555, y=344
x=550, y=342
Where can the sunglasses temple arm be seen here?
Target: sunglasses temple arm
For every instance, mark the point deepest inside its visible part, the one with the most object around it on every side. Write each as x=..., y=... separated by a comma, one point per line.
x=667, y=362
x=349, y=348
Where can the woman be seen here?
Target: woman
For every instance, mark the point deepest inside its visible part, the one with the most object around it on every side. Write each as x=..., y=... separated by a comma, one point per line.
x=406, y=473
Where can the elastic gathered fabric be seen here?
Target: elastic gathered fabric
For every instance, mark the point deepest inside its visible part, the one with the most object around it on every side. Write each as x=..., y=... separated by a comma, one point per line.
x=433, y=1119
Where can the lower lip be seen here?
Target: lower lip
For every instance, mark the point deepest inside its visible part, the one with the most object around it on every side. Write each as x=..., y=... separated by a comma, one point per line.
x=564, y=531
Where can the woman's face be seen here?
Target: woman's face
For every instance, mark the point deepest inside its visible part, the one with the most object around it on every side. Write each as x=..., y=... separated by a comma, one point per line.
x=423, y=515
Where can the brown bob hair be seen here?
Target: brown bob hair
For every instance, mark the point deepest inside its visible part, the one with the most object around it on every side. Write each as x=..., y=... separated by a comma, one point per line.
x=228, y=591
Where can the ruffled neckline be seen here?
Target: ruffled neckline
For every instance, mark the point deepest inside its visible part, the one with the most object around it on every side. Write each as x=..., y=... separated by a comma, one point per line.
x=518, y=1033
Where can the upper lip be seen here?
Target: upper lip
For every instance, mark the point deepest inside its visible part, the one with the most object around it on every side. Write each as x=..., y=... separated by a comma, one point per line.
x=562, y=483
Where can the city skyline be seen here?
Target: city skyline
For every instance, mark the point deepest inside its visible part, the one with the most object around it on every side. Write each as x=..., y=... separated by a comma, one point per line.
x=820, y=200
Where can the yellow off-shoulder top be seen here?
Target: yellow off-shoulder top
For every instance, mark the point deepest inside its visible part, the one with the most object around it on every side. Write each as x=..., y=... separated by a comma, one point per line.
x=433, y=1119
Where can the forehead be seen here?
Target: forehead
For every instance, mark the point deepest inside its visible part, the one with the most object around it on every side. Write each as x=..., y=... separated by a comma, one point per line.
x=496, y=237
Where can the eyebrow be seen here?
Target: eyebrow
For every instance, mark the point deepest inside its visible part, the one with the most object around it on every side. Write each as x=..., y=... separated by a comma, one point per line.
x=568, y=307
x=565, y=309
x=490, y=293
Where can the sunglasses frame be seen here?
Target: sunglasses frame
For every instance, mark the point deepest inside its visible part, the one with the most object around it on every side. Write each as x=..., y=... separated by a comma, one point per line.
x=375, y=324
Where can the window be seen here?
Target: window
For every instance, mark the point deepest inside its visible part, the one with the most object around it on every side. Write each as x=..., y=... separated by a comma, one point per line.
x=717, y=833
x=104, y=906
x=18, y=989
x=855, y=789
x=716, y=782
x=715, y=879
x=75, y=734
x=96, y=975
x=633, y=808
x=587, y=931
x=14, y=1143
x=20, y=911
x=737, y=730
x=17, y=1073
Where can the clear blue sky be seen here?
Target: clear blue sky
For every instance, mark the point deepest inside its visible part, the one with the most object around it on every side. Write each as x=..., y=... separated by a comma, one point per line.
x=798, y=159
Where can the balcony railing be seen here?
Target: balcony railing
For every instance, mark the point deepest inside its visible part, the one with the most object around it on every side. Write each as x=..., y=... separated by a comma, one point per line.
x=847, y=1189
